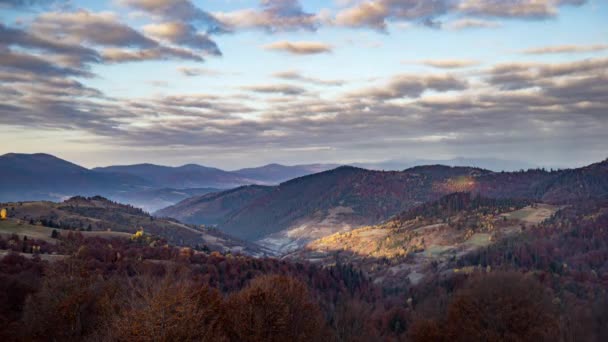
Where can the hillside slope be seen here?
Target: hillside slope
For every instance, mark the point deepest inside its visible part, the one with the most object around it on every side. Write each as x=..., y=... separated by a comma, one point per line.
x=97, y=214
x=43, y=176
x=277, y=173
x=424, y=240
x=186, y=176
x=291, y=214
x=334, y=200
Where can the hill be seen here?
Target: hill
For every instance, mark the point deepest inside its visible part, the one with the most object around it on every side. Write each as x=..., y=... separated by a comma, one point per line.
x=181, y=177
x=277, y=173
x=290, y=214
x=196, y=176
x=98, y=214
x=152, y=200
x=293, y=213
x=43, y=176
x=427, y=239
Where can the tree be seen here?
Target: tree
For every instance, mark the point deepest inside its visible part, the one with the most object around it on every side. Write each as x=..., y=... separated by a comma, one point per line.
x=274, y=308
x=55, y=234
x=169, y=310
x=3, y=214
x=502, y=307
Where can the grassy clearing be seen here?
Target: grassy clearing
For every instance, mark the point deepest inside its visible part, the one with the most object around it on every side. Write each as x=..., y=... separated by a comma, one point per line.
x=9, y=227
x=479, y=239
x=533, y=215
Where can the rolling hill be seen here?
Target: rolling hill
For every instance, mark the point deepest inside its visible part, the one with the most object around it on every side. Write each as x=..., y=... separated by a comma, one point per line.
x=427, y=239
x=287, y=216
x=315, y=205
x=98, y=214
x=277, y=173
x=30, y=177
x=181, y=177
x=45, y=177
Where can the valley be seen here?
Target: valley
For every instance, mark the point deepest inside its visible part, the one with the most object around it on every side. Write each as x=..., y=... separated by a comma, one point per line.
x=288, y=216
x=351, y=254
x=420, y=246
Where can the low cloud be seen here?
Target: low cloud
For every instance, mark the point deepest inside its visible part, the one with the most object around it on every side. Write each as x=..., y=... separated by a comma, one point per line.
x=84, y=27
x=545, y=50
x=296, y=76
x=192, y=72
x=376, y=14
x=177, y=10
x=462, y=24
x=273, y=16
x=184, y=35
x=300, y=48
x=411, y=86
x=526, y=9
x=450, y=63
x=562, y=112
x=283, y=89
x=161, y=53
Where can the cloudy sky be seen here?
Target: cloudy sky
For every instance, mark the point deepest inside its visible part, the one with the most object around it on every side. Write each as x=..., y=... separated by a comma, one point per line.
x=233, y=83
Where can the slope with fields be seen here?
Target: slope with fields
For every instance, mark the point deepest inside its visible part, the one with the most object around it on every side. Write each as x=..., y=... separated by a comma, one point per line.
x=97, y=215
x=428, y=239
x=288, y=216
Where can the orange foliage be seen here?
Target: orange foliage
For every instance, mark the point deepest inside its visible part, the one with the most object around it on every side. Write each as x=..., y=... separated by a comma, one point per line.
x=274, y=308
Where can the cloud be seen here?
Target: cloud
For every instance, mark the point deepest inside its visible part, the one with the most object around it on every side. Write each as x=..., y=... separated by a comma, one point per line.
x=300, y=48
x=512, y=76
x=27, y=3
x=113, y=55
x=274, y=16
x=411, y=86
x=565, y=49
x=562, y=113
x=450, y=63
x=376, y=14
x=77, y=53
x=192, y=72
x=283, y=89
x=527, y=9
x=22, y=62
x=84, y=27
x=469, y=23
x=177, y=10
x=183, y=35
x=296, y=76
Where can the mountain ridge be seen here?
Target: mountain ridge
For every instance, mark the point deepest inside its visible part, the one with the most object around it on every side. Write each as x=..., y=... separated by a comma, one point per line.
x=347, y=197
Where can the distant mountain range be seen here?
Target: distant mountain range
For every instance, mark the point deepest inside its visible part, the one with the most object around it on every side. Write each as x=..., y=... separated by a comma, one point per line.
x=196, y=176
x=286, y=216
x=152, y=187
x=45, y=177
x=148, y=186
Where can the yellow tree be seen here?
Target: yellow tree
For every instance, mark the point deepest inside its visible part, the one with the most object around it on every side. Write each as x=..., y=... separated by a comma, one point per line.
x=3, y=214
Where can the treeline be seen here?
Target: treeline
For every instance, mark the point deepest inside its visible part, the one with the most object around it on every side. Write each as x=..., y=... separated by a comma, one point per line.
x=455, y=203
x=550, y=284
x=119, y=290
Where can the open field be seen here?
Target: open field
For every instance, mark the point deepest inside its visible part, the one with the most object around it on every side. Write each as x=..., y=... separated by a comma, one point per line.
x=533, y=215
x=9, y=227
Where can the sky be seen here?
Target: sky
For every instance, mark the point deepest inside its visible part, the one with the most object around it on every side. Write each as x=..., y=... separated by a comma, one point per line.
x=237, y=83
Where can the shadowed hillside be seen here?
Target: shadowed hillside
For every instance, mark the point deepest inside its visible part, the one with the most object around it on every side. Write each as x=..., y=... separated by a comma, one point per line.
x=291, y=214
